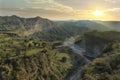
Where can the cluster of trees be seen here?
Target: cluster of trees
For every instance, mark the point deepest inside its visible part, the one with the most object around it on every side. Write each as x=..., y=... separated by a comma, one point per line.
x=59, y=33
x=31, y=59
x=107, y=67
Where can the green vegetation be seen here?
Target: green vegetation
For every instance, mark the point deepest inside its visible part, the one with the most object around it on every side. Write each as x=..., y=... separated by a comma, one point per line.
x=32, y=49
x=29, y=59
x=38, y=27
x=59, y=33
x=107, y=67
x=107, y=35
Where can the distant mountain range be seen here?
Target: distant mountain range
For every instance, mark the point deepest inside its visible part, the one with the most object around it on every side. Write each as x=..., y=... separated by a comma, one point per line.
x=94, y=25
x=41, y=27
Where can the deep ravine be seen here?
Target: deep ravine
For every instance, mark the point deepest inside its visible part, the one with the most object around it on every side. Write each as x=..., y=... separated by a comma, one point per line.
x=70, y=43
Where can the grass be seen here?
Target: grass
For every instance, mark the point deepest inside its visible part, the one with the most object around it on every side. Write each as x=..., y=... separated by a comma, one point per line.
x=32, y=51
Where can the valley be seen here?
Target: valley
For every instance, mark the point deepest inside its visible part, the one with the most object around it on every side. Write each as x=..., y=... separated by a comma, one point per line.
x=41, y=49
x=76, y=49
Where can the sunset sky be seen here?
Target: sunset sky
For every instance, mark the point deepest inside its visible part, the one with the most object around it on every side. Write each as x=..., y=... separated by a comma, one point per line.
x=63, y=9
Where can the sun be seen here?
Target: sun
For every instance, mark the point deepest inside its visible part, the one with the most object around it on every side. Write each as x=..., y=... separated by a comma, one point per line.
x=97, y=13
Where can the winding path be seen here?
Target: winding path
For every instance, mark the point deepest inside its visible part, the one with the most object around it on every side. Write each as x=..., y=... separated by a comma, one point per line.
x=70, y=43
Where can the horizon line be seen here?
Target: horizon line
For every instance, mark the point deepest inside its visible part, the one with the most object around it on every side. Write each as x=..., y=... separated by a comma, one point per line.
x=57, y=19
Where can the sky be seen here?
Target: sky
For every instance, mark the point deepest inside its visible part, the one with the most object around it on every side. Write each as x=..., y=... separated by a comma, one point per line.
x=62, y=9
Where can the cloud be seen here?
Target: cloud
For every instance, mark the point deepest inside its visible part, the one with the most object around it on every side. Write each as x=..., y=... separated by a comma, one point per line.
x=113, y=10
x=40, y=1
x=59, y=9
x=113, y=13
x=44, y=8
x=112, y=1
x=28, y=12
x=49, y=5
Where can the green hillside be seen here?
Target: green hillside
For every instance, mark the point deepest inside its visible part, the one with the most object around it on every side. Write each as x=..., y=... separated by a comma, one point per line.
x=29, y=59
x=107, y=67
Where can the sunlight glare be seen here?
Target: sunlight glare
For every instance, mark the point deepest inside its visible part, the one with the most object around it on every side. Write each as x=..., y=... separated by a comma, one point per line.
x=97, y=13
